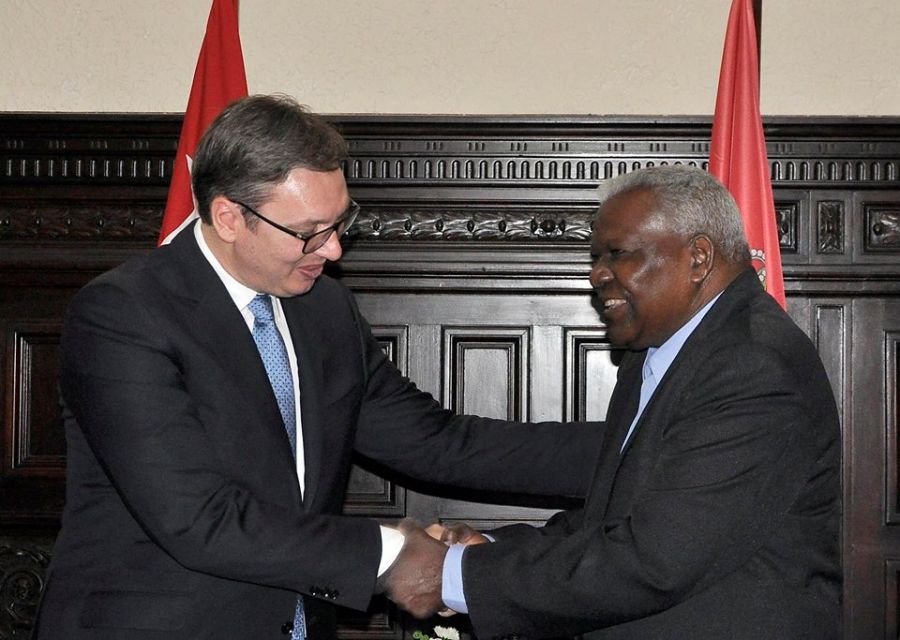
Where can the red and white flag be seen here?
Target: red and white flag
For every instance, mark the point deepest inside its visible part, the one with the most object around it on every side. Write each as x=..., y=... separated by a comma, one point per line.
x=218, y=80
x=737, y=155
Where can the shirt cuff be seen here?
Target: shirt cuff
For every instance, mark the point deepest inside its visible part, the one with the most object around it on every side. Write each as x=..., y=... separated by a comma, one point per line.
x=391, y=543
x=452, y=587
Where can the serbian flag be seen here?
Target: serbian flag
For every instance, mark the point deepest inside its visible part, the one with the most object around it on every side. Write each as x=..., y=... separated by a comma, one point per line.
x=737, y=154
x=218, y=80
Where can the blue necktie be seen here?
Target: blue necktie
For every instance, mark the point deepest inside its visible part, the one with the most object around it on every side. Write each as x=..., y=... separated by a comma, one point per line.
x=275, y=360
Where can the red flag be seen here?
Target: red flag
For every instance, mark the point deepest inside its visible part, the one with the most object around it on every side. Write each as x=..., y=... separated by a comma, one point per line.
x=737, y=155
x=218, y=80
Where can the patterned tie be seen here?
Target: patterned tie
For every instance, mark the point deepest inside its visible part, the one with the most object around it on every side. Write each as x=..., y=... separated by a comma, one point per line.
x=275, y=360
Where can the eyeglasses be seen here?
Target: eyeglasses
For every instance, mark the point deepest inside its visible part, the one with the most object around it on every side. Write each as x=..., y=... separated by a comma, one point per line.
x=312, y=242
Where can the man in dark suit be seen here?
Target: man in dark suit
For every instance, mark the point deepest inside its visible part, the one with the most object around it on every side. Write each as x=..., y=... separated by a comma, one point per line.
x=213, y=393
x=714, y=508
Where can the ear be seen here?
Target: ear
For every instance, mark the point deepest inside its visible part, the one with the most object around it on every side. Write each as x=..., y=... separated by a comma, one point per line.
x=226, y=217
x=703, y=255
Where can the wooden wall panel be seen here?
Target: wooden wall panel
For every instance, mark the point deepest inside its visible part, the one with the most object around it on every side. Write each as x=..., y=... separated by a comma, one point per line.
x=892, y=416
x=369, y=494
x=591, y=367
x=487, y=358
x=879, y=226
x=871, y=531
x=33, y=441
x=36, y=444
x=470, y=259
x=830, y=335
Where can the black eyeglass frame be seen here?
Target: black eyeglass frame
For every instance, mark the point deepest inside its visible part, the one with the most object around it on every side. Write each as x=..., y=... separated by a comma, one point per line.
x=340, y=226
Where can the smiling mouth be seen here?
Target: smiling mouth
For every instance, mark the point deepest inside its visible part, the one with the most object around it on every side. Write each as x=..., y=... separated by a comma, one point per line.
x=613, y=303
x=312, y=271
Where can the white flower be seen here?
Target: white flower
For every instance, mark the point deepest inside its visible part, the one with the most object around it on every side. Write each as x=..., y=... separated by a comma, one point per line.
x=446, y=633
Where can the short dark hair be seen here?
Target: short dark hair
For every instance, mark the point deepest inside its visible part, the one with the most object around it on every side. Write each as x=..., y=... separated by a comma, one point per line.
x=254, y=144
x=693, y=201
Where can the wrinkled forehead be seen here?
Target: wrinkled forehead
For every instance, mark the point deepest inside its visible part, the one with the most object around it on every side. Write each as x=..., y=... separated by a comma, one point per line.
x=629, y=212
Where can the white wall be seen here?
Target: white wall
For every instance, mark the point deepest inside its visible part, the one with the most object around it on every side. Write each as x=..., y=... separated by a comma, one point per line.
x=650, y=57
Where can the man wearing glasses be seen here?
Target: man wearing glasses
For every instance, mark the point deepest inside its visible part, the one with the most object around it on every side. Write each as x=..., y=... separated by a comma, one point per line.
x=214, y=391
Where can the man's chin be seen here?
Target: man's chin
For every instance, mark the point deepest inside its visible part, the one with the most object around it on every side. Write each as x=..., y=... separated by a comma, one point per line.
x=299, y=288
x=618, y=338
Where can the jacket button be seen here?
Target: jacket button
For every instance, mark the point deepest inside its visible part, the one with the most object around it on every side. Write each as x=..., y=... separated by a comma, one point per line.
x=287, y=627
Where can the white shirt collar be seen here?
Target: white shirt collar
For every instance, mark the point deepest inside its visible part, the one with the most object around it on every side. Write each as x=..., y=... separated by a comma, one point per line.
x=240, y=294
x=659, y=359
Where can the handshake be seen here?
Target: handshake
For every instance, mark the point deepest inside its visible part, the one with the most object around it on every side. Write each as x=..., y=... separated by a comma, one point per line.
x=414, y=580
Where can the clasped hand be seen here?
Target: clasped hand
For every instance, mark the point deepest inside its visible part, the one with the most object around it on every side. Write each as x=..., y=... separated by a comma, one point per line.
x=413, y=581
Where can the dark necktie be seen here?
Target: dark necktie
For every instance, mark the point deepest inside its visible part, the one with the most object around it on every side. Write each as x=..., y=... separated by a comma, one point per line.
x=278, y=368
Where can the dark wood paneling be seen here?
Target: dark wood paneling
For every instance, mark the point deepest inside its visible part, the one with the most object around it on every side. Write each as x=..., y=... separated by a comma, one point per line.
x=369, y=494
x=591, y=369
x=470, y=258
x=487, y=358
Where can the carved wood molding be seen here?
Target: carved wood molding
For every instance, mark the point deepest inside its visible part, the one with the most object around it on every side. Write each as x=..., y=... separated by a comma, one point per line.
x=77, y=222
x=96, y=184
x=883, y=225
x=23, y=565
x=138, y=149
x=494, y=224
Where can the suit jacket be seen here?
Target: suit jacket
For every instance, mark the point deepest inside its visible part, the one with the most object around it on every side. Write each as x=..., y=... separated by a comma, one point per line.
x=719, y=520
x=184, y=517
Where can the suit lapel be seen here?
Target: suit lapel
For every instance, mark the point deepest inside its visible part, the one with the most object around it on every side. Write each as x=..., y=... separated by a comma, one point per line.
x=626, y=396
x=311, y=367
x=734, y=297
x=622, y=408
x=220, y=329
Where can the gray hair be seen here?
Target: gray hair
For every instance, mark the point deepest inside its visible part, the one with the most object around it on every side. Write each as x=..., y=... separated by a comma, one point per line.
x=692, y=201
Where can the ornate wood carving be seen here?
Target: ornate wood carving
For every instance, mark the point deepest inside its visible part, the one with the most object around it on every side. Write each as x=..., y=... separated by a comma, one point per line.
x=80, y=221
x=830, y=216
x=883, y=226
x=447, y=224
x=787, y=217
x=22, y=568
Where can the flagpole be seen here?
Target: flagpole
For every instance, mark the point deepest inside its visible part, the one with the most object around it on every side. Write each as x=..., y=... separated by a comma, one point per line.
x=757, y=19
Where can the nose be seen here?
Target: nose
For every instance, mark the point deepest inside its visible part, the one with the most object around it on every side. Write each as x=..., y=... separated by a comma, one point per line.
x=332, y=249
x=600, y=274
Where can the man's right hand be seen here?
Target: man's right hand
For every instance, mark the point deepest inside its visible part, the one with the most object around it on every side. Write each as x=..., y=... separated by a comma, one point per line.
x=413, y=581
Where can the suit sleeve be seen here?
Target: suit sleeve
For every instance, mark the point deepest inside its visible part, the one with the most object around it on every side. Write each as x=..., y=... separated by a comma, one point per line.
x=406, y=430
x=124, y=383
x=733, y=455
